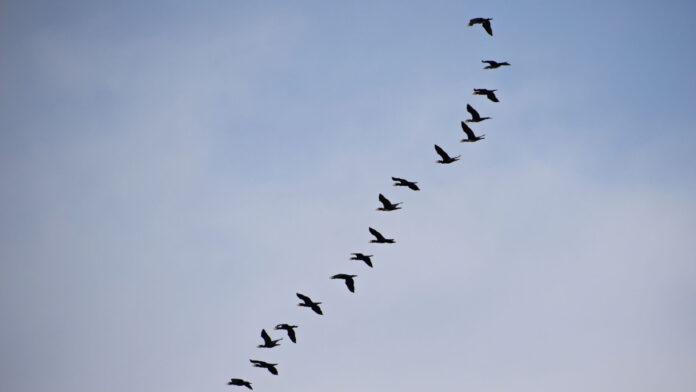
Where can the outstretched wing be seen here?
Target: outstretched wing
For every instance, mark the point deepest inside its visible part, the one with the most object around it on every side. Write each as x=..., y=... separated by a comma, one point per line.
x=397, y=179
x=487, y=26
x=413, y=186
x=491, y=95
x=490, y=62
x=442, y=153
x=385, y=202
x=351, y=284
x=272, y=369
x=265, y=337
x=473, y=112
x=377, y=234
x=304, y=298
x=469, y=133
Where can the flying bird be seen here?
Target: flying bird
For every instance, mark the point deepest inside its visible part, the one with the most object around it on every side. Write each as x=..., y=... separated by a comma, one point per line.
x=307, y=302
x=380, y=238
x=402, y=182
x=485, y=22
x=493, y=64
x=267, y=342
x=387, y=205
x=350, y=283
x=490, y=94
x=362, y=257
x=261, y=364
x=475, y=117
x=445, y=158
x=240, y=382
x=290, y=330
x=470, y=134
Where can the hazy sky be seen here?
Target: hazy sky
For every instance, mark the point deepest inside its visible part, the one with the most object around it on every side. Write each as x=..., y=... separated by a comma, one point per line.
x=172, y=173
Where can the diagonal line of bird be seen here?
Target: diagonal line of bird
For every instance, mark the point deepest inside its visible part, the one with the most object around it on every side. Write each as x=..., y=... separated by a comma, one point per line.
x=387, y=206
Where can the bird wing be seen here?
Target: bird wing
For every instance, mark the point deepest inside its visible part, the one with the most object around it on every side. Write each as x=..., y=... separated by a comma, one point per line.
x=491, y=96
x=377, y=234
x=305, y=298
x=413, y=186
x=490, y=62
x=473, y=112
x=257, y=362
x=272, y=369
x=469, y=133
x=265, y=337
x=317, y=309
x=384, y=201
x=397, y=179
x=291, y=335
x=351, y=284
x=442, y=153
x=487, y=27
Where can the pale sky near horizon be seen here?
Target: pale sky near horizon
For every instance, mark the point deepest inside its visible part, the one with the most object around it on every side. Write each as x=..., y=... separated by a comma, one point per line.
x=173, y=172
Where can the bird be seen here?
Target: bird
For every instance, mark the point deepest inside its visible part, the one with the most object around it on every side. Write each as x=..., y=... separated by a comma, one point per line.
x=362, y=257
x=409, y=184
x=445, y=158
x=485, y=22
x=380, y=238
x=261, y=364
x=267, y=342
x=490, y=94
x=240, y=382
x=307, y=302
x=290, y=329
x=493, y=64
x=387, y=205
x=475, y=117
x=350, y=283
x=470, y=134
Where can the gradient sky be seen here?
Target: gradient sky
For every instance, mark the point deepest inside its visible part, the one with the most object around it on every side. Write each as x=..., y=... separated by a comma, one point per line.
x=172, y=172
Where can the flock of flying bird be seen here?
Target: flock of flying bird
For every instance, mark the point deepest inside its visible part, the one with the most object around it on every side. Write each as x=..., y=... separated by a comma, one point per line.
x=386, y=206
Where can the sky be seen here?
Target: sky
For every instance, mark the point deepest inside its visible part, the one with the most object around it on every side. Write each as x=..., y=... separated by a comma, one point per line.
x=173, y=172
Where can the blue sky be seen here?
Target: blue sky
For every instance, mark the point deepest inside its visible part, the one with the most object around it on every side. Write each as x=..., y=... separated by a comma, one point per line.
x=171, y=173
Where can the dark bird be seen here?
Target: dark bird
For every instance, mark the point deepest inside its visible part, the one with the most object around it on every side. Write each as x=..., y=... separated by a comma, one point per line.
x=261, y=364
x=380, y=238
x=362, y=257
x=290, y=329
x=475, y=117
x=387, y=205
x=490, y=94
x=309, y=304
x=470, y=134
x=445, y=158
x=485, y=22
x=493, y=64
x=402, y=182
x=240, y=382
x=267, y=342
x=350, y=283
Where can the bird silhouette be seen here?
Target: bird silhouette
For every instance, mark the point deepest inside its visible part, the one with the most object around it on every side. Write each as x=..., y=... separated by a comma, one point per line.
x=379, y=238
x=475, y=117
x=490, y=94
x=402, y=182
x=445, y=158
x=493, y=64
x=307, y=302
x=387, y=205
x=267, y=342
x=261, y=364
x=290, y=330
x=485, y=22
x=240, y=382
x=362, y=257
x=470, y=134
x=350, y=283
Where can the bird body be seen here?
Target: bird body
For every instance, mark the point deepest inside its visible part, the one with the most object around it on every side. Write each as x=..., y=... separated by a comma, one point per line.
x=402, y=182
x=290, y=330
x=350, y=283
x=362, y=257
x=445, y=158
x=485, y=22
x=475, y=117
x=387, y=205
x=308, y=303
x=261, y=364
x=240, y=382
x=267, y=342
x=493, y=64
x=490, y=94
x=471, y=137
x=379, y=238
